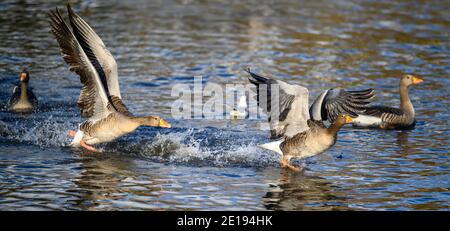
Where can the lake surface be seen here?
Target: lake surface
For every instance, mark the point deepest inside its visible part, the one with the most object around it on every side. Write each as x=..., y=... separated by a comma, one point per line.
x=215, y=164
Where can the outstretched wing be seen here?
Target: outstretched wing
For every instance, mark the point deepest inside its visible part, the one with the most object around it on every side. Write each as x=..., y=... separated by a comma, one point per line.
x=100, y=57
x=289, y=115
x=378, y=111
x=93, y=99
x=330, y=103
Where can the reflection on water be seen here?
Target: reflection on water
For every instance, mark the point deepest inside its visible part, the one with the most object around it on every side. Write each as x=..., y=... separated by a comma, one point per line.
x=300, y=192
x=214, y=165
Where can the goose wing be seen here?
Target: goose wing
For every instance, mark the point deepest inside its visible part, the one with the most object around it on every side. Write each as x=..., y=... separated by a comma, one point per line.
x=15, y=96
x=290, y=115
x=33, y=99
x=100, y=57
x=94, y=99
x=378, y=111
x=330, y=103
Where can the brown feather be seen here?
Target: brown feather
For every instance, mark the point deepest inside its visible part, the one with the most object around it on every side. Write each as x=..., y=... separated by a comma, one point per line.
x=70, y=53
x=119, y=105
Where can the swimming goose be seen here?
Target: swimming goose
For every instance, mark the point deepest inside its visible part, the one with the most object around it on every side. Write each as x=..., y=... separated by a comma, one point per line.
x=290, y=120
x=392, y=118
x=100, y=99
x=23, y=100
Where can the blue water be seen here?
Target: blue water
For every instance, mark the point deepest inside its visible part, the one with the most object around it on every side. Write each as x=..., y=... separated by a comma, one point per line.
x=214, y=164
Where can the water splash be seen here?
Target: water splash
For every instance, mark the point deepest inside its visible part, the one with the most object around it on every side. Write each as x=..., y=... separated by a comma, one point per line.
x=197, y=147
x=43, y=133
x=192, y=147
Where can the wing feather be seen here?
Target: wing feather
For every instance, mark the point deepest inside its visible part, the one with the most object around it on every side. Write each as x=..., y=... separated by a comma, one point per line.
x=93, y=100
x=100, y=57
x=333, y=102
x=290, y=115
x=378, y=111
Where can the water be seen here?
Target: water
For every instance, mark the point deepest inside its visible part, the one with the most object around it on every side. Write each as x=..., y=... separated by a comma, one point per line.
x=214, y=165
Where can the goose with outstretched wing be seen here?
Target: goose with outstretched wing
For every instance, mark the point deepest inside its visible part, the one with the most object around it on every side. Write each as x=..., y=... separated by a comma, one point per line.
x=100, y=99
x=300, y=129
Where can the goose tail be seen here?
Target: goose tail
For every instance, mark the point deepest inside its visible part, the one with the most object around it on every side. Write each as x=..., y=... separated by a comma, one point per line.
x=273, y=146
x=76, y=140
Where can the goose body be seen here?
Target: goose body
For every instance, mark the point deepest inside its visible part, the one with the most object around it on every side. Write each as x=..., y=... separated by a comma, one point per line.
x=388, y=117
x=367, y=121
x=100, y=100
x=290, y=123
x=22, y=100
x=107, y=129
x=311, y=142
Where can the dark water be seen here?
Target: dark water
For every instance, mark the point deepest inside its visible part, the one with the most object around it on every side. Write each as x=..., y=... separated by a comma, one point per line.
x=214, y=165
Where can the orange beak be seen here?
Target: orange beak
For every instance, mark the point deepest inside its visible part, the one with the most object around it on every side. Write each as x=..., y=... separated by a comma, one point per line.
x=416, y=80
x=348, y=119
x=164, y=124
x=22, y=76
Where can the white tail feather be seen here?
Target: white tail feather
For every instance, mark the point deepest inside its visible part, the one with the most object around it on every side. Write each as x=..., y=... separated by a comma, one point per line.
x=273, y=146
x=76, y=140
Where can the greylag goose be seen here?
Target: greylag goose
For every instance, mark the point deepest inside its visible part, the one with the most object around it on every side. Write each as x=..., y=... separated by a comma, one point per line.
x=326, y=107
x=392, y=118
x=100, y=99
x=23, y=100
x=299, y=136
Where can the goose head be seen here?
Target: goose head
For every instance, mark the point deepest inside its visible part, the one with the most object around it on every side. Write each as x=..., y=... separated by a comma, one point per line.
x=410, y=79
x=24, y=76
x=343, y=119
x=154, y=121
x=340, y=121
